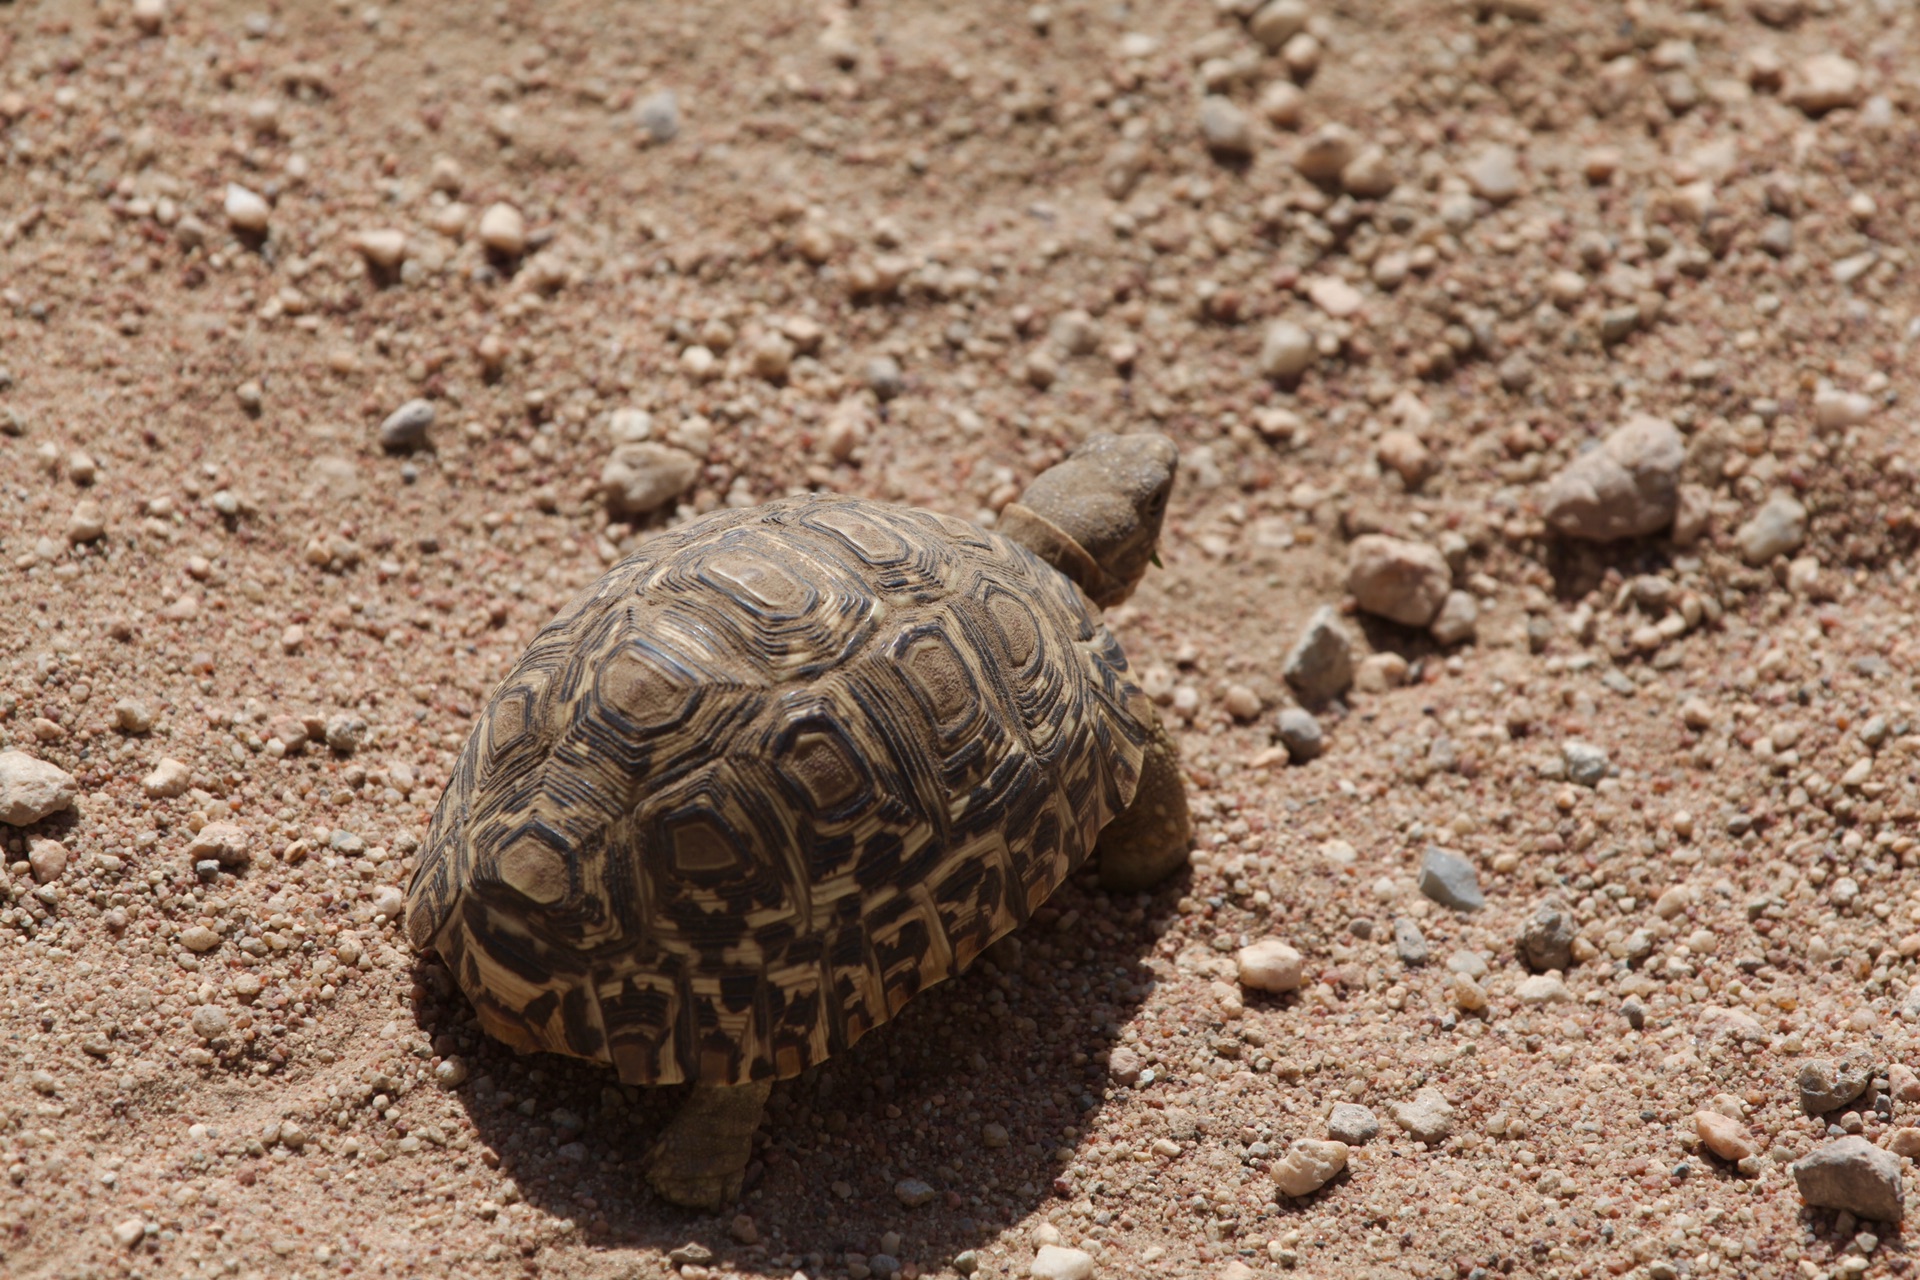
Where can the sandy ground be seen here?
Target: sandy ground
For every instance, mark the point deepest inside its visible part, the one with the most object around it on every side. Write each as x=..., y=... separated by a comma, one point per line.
x=915, y=251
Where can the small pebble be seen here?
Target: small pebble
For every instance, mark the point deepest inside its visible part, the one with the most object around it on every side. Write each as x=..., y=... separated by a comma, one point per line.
x=503, y=231
x=1547, y=941
x=658, y=115
x=1626, y=487
x=224, y=842
x=1586, y=764
x=1825, y=1085
x=1776, y=529
x=406, y=428
x=1458, y=620
x=345, y=733
x=1450, y=880
x=1409, y=943
x=169, y=779
x=1269, y=965
x=246, y=211
x=1300, y=733
x=1286, y=351
x=210, y=1022
x=913, y=1193
x=48, y=859
x=1056, y=1262
x=1825, y=82
x=639, y=479
x=87, y=522
x=1725, y=1137
x=1309, y=1165
x=1404, y=582
x=1494, y=174
x=32, y=788
x=1320, y=664
x=1428, y=1117
x=1225, y=128
x=1352, y=1124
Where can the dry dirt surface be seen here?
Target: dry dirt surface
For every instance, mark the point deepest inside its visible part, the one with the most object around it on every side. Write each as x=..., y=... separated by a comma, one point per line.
x=1597, y=896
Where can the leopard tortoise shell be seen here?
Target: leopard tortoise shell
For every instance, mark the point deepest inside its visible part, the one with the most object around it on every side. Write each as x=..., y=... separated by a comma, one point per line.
x=779, y=771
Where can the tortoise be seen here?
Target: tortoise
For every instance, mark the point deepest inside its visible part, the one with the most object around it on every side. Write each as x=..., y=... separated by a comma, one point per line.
x=783, y=768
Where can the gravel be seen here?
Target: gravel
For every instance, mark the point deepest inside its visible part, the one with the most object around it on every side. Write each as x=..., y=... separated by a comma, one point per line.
x=1450, y=880
x=31, y=789
x=1854, y=1175
x=1269, y=965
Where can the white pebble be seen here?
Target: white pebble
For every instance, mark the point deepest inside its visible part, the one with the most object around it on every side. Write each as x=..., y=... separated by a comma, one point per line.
x=246, y=211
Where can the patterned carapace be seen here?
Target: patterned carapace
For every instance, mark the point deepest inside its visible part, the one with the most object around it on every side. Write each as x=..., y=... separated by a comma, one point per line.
x=768, y=778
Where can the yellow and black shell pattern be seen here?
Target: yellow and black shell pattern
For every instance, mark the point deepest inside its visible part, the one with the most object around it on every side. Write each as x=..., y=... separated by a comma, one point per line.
x=771, y=776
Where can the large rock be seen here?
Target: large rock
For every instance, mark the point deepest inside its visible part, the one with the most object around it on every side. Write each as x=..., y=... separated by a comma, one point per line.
x=30, y=788
x=1854, y=1175
x=1401, y=581
x=641, y=478
x=1628, y=487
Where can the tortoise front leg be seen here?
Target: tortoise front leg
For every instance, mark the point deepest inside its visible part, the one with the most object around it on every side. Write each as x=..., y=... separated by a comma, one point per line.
x=701, y=1156
x=1149, y=842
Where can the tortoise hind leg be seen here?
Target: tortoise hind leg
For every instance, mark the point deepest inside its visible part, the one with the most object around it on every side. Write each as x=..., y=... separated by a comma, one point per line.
x=701, y=1156
x=1149, y=842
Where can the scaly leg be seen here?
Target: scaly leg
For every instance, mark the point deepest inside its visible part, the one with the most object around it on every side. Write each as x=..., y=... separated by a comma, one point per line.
x=702, y=1155
x=1149, y=842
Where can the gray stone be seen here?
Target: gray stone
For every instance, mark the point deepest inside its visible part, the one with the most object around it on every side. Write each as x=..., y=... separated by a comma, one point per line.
x=31, y=788
x=659, y=116
x=1547, y=941
x=912, y=1192
x=1626, y=487
x=1854, y=1175
x=1827, y=1086
x=1351, y=1123
x=1300, y=734
x=346, y=733
x=1450, y=880
x=1776, y=529
x=1408, y=942
x=1320, y=664
x=1586, y=763
x=406, y=427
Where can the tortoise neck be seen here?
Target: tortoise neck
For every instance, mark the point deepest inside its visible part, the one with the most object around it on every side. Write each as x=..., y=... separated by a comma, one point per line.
x=1058, y=548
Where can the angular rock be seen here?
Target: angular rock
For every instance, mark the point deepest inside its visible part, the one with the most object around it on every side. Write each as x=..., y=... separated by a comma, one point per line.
x=1320, y=664
x=1308, y=1166
x=1404, y=582
x=1826, y=1085
x=1627, y=487
x=641, y=478
x=1854, y=1175
x=31, y=788
x=1547, y=941
x=1450, y=880
x=224, y=842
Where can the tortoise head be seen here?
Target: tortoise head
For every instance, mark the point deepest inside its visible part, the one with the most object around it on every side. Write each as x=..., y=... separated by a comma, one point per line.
x=1096, y=516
